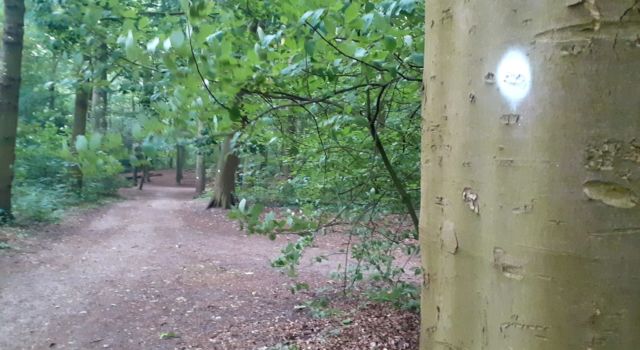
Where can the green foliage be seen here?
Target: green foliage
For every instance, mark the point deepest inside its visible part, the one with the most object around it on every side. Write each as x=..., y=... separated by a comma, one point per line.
x=319, y=308
x=316, y=93
x=291, y=255
x=402, y=295
x=43, y=187
x=295, y=222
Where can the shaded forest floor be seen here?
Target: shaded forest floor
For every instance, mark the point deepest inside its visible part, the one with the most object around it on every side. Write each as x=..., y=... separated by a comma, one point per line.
x=155, y=271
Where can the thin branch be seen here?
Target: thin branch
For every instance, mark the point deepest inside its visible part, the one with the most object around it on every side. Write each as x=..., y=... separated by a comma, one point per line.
x=139, y=64
x=406, y=199
x=204, y=81
x=315, y=30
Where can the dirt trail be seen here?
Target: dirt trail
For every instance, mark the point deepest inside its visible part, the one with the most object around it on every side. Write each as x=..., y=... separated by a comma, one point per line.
x=120, y=276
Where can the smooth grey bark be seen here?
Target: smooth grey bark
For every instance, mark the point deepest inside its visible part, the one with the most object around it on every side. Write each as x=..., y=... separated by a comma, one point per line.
x=530, y=221
x=10, y=78
x=225, y=182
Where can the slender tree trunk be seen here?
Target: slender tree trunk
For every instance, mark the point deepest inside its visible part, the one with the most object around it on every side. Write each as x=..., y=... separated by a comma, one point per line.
x=139, y=169
x=180, y=153
x=10, y=78
x=99, y=105
x=225, y=183
x=530, y=221
x=289, y=150
x=79, y=128
x=100, y=100
x=201, y=174
x=52, y=87
x=80, y=113
x=201, y=170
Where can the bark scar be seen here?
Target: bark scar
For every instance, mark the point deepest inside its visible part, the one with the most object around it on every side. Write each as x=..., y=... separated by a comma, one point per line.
x=593, y=9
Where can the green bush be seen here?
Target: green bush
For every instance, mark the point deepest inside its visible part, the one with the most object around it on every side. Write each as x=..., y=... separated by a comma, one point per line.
x=44, y=185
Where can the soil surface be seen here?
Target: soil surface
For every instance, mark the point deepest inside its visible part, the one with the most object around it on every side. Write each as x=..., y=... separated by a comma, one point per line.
x=156, y=271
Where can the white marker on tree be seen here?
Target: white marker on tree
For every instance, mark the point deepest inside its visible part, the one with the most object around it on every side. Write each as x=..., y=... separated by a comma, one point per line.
x=514, y=77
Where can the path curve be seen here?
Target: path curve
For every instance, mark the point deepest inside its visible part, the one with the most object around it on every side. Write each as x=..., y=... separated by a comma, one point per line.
x=121, y=276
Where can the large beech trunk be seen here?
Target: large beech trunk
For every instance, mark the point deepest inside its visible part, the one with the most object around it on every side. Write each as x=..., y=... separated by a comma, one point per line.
x=9, y=98
x=225, y=182
x=530, y=220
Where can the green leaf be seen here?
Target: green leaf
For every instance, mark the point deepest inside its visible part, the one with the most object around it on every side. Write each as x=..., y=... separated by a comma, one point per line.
x=153, y=44
x=168, y=335
x=416, y=59
x=129, y=43
x=177, y=38
x=309, y=47
x=166, y=44
x=360, y=52
x=81, y=143
x=389, y=43
x=243, y=205
x=407, y=5
x=95, y=140
x=351, y=12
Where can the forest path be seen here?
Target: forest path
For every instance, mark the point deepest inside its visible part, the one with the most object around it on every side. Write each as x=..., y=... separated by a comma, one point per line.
x=120, y=276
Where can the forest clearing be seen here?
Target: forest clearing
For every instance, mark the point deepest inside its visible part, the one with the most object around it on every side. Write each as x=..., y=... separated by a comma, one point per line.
x=320, y=174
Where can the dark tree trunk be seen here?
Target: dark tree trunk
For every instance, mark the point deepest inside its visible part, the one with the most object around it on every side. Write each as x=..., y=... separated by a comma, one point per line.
x=201, y=174
x=9, y=98
x=180, y=153
x=52, y=87
x=79, y=128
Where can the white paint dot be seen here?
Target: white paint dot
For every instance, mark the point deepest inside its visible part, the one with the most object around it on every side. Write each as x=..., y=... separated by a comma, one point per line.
x=514, y=76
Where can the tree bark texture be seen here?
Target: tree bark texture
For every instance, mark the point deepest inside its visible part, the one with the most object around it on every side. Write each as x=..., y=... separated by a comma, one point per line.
x=100, y=101
x=530, y=220
x=79, y=128
x=201, y=174
x=180, y=155
x=10, y=77
x=225, y=182
x=80, y=112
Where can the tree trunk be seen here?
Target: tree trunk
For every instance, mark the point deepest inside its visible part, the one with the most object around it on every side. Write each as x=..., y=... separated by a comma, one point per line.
x=140, y=168
x=225, y=183
x=289, y=150
x=179, y=163
x=201, y=170
x=99, y=104
x=10, y=78
x=52, y=86
x=530, y=223
x=79, y=128
x=201, y=174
